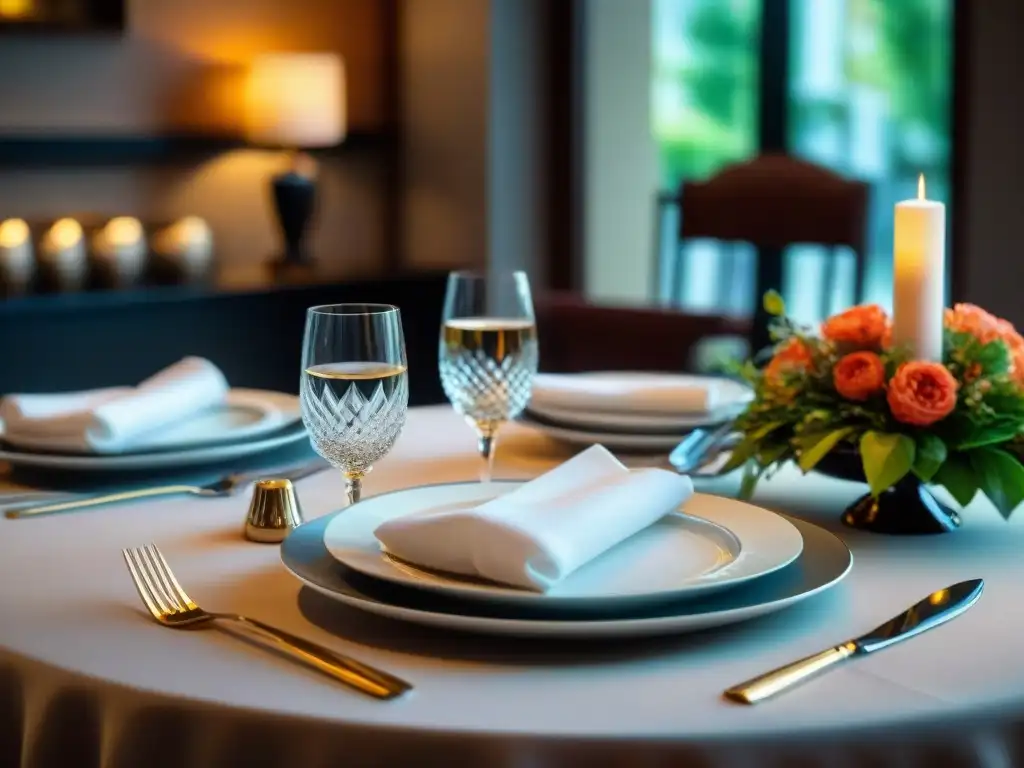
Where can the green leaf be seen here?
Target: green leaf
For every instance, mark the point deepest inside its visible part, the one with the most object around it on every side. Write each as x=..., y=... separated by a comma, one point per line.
x=994, y=358
x=763, y=431
x=929, y=455
x=732, y=464
x=990, y=433
x=741, y=454
x=818, y=449
x=750, y=372
x=957, y=477
x=1000, y=477
x=749, y=447
x=751, y=474
x=887, y=458
x=1009, y=403
x=772, y=452
x=773, y=304
x=955, y=429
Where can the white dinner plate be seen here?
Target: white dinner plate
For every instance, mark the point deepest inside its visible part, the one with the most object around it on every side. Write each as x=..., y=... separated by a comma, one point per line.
x=824, y=562
x=714, y=544
x=733, y=397
x=245, y=414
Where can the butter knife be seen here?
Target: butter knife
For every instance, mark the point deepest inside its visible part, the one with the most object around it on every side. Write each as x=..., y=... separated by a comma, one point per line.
x=938, y=608
x=225, y=486
x=700, y=448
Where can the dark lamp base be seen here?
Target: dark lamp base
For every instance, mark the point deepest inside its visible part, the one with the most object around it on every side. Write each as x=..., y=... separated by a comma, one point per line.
x=294, y=197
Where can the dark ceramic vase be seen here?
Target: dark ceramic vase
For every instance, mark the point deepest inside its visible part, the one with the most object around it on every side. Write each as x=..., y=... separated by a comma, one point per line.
x=907, y=508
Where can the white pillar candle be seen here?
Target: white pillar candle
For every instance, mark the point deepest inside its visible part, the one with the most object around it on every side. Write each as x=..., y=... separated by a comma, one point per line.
x=187, y=244
x=62, y=251
x=17, y=262
x=120, y=249
x=919, y=276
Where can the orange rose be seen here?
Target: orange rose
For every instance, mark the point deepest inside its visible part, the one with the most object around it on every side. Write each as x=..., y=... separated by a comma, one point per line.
x=922, y=393
x=887, y=336
x=863, y=326
x=791, y=357
x=972, y=319
x=859, y=375
x=986, y=328
x=1015, y=343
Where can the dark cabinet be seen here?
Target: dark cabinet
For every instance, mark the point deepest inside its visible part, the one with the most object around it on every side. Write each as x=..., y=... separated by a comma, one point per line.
x=55, y=342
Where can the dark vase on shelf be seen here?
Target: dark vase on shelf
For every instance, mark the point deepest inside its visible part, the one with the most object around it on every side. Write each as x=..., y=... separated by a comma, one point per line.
x=908, y=508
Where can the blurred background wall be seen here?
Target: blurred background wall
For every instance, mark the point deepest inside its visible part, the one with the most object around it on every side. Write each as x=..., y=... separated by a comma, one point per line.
x=177, y=70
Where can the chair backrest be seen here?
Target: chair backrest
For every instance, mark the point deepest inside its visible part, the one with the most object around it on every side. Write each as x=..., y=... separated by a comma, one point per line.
x=576, y=335
x=775, y=201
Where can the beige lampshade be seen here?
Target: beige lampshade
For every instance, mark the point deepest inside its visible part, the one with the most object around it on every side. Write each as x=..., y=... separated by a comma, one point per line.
x=296, y=100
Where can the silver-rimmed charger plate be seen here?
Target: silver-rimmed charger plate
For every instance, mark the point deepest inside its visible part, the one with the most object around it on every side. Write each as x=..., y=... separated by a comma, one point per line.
x=713, y=543
x=824, y=562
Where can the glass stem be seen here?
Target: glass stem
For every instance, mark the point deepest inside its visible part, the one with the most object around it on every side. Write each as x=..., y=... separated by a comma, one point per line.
x=486, y=444
x=354, y=486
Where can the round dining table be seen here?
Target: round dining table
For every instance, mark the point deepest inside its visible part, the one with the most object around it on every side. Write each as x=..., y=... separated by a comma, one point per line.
x=87, y=678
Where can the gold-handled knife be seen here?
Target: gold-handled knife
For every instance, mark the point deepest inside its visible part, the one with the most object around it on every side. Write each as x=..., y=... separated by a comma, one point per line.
x=938, y=608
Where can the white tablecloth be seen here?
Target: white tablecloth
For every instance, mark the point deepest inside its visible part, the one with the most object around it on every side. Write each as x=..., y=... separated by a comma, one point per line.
x=87, y=679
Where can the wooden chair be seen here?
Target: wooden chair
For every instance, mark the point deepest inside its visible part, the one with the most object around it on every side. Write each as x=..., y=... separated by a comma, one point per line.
x=774, y=201
x=576, y=335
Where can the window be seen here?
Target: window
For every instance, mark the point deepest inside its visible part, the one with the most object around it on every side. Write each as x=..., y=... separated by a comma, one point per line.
x=869, y=93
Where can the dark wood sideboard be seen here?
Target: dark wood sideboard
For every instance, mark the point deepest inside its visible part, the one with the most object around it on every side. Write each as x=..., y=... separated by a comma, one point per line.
x=252, y=331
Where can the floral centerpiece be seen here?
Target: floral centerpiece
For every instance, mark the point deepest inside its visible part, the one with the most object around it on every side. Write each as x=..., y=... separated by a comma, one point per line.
x=847, y=390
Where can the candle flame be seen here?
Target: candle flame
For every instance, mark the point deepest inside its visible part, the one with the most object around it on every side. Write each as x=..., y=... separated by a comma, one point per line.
x=920, y=187
x=13, y=233
x=65, y=233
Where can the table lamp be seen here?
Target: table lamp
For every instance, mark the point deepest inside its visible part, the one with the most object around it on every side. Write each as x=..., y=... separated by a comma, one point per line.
x=295, y=101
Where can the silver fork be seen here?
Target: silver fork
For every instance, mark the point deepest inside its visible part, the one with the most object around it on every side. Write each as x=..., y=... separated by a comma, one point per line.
x=169, y=605
x=225, y=486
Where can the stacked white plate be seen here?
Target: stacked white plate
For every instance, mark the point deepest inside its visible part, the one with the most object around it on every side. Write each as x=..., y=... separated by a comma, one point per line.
x=248, y=423
x=612, y=410
x=715, y=561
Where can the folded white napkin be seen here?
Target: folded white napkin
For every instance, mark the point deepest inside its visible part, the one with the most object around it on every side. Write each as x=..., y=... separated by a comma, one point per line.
x=544, y=530
x=625, y=393
x=110, y=420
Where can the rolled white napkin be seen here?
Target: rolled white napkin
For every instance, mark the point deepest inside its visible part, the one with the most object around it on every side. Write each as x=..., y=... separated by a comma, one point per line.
x=109, y=420
x=541, y=532
x=625, y=393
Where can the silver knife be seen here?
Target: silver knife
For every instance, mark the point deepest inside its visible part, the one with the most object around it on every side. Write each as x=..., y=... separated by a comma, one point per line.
x=30, y=497
x=938, y=608
x=700, y=448
x=225, y=486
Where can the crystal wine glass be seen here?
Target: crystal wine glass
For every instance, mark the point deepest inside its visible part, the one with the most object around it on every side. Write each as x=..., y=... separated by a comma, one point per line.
x=488, y=352
x=354, y=389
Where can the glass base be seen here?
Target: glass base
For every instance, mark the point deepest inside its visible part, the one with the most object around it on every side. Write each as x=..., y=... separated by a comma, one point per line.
x=906, y=509
x=487, y=440
x=354, y=486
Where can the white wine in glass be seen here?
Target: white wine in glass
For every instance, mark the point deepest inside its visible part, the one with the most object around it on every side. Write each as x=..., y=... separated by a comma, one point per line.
x=488, y=361
x=354, y=389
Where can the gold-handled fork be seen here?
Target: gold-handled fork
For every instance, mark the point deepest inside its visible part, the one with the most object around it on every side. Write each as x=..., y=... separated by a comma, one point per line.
x=172, y=607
